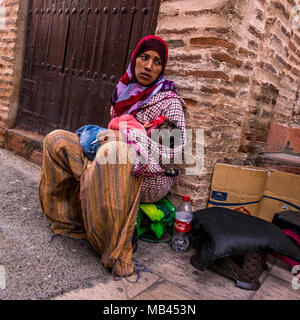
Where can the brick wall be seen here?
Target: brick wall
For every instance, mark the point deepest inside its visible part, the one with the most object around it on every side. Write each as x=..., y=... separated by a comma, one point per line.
x=273, y=97
x=13, y=14
x=8, y=34
x=236, y=65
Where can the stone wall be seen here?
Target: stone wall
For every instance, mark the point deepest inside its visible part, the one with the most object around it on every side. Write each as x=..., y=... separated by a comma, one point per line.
x=236, y=64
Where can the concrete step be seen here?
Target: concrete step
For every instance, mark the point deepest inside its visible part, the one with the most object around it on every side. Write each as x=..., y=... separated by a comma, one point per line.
x=24, y=143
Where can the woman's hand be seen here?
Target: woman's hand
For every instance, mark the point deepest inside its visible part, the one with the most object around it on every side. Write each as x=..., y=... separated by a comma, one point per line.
x=108, y=136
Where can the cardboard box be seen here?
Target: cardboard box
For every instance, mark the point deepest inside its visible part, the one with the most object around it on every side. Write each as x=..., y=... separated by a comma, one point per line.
x=237, y=187
x=281, y=192
x=255, y=191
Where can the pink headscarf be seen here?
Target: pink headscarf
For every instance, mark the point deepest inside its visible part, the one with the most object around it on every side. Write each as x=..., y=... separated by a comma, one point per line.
x=129, y=94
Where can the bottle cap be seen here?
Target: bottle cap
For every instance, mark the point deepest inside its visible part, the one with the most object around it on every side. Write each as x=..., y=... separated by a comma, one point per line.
x=186, y=198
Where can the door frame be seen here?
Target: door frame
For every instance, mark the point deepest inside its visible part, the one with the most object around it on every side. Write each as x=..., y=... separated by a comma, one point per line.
x=19, y=56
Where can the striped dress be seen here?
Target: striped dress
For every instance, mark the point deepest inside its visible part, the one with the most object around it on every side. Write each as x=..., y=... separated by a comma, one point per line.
x=106, y=210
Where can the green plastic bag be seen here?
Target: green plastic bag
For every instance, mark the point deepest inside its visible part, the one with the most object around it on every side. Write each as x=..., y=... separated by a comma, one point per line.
x=155, y=221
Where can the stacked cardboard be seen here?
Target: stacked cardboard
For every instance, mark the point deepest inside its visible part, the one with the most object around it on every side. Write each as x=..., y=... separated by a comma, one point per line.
x=256, y=191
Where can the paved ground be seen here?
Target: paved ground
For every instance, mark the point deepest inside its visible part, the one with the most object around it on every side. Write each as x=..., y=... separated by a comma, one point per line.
x=69, y=269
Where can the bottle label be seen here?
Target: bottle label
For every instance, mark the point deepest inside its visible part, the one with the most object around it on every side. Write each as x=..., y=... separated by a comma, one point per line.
x=182, y=226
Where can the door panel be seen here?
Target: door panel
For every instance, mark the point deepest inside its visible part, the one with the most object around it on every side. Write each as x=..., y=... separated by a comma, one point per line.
x=76, y=52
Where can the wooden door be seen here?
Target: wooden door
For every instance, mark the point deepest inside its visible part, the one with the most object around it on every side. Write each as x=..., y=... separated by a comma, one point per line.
x=76, y=52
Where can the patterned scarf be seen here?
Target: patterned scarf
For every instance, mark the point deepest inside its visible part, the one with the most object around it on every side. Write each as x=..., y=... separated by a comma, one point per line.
x=129, y=95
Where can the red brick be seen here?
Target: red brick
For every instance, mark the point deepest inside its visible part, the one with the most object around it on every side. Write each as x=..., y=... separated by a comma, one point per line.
x=255, y=32
x=292, y=46
x=283, y=139
x=294, y=139
x=278, y=5
x=190, y=102
x=240, y=78
x=15, y=143
x=244, y=52
x=209, y=90
x=227, y=92
x=221, y=30
x=296, y=72
x=24, y=143
x=285, y=32
x=212, y=42
x=37, y=157
x=223, y=57
x=185, y=57
x=208, y=74
x=177, y=31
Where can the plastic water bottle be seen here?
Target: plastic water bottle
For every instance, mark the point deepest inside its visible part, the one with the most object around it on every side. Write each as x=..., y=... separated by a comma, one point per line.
x=182, y=226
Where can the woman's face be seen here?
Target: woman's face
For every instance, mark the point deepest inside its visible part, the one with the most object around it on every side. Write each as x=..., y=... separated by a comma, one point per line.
x=148, y=66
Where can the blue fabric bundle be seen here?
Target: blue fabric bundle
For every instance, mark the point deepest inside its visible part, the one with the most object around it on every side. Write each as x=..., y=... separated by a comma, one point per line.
x=88, y=140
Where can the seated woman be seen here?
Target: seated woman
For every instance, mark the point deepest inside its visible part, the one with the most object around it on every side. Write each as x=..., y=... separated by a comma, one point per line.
x=110, y=193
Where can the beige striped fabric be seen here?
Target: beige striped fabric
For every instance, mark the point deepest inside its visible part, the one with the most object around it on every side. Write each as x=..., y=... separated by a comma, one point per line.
x=110, y=196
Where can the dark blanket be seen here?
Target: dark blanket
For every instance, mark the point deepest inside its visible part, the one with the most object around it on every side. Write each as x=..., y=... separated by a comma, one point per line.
x=219, y=232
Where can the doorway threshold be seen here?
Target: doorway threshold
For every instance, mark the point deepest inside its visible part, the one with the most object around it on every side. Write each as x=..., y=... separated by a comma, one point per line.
x=25, y=143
